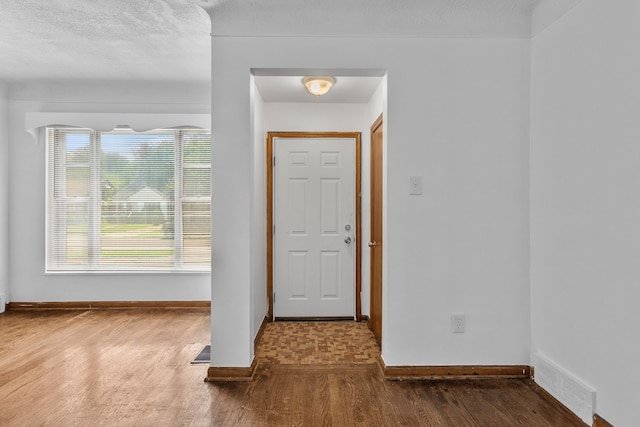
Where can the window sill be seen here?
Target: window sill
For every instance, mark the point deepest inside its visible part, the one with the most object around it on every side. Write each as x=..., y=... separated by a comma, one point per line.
x=124, y=272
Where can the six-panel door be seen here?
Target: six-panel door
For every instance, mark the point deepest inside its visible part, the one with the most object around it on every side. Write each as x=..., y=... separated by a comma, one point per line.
x=314, y=218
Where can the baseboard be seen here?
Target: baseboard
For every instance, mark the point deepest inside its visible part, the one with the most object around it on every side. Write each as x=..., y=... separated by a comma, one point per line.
x=215, y=374
x=260, y=332
x=363, y=318
x=455, y=372
x=223, y=374
x=578, y=397
x=598, y=421
x=105, y=305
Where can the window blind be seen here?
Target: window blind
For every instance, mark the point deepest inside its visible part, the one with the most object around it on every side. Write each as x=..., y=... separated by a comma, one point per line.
x=125, y=200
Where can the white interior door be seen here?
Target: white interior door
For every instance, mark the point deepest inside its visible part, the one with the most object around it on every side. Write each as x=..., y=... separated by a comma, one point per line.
x=314, y=236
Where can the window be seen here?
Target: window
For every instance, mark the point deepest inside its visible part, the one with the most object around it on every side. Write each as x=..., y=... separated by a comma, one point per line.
x=126, y=201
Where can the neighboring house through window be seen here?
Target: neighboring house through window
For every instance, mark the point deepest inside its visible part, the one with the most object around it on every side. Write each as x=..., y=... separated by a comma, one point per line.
x=128, y=201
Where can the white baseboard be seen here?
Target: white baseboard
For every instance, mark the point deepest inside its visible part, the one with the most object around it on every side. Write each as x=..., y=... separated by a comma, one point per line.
x=573, y=393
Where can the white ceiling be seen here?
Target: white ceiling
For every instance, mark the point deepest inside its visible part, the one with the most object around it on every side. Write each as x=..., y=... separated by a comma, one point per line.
x=164, y=40
x=372, y=17
x=347, y=89
x=169, y=40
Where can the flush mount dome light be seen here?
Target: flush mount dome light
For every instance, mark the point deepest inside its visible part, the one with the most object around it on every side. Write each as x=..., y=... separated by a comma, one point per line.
x=318, y=85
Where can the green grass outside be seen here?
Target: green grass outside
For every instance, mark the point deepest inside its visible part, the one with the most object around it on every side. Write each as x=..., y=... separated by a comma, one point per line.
x=131, y=231
x=135, y=253
x=134, y=231
x=79, y=255
x=107, y=227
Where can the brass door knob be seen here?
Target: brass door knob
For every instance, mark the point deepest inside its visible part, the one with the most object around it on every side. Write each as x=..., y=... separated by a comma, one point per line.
x=373, y=244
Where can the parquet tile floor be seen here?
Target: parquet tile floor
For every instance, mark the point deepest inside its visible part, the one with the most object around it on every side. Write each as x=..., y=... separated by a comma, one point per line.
x=317, y=343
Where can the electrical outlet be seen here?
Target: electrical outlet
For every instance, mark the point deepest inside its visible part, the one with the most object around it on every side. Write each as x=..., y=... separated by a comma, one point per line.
x=457, y=323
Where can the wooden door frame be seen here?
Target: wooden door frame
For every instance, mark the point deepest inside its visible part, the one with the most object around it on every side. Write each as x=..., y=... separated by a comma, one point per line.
x=374, y=128
x=269, y=200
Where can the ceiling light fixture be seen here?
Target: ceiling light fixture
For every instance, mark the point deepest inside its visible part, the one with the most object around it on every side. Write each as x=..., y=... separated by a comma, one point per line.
x=318, y=85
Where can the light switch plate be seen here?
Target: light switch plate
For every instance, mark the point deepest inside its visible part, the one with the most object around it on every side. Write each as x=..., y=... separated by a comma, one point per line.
x=415, y=185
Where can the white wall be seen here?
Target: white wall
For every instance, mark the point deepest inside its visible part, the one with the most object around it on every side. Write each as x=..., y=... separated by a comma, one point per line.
x=458, y=113
x=27, y=191
x=4, y=192
x=259, y=213
x=457, y=116
x=585, y=201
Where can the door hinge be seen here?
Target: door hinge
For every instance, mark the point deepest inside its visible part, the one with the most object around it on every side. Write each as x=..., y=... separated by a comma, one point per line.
x=274, y=229
x=274, y=161
x=274, y=297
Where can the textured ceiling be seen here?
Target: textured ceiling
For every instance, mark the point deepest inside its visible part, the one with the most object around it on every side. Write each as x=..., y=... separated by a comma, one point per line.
x=168, y=40
x=107, y=39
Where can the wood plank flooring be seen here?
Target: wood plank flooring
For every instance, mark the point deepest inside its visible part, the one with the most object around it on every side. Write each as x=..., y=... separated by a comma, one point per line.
x=132, y=368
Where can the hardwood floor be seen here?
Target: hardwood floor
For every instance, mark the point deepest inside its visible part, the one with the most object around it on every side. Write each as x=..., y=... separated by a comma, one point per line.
x=132, y=368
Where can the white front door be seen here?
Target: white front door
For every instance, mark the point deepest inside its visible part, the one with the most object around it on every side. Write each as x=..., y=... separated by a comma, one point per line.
x=314, y=218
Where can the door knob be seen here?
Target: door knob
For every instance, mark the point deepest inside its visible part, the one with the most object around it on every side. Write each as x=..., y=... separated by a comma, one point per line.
x=347, y=240
x=373, y=244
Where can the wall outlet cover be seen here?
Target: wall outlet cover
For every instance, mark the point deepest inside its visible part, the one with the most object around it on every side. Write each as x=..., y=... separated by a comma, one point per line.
x=457, y=323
